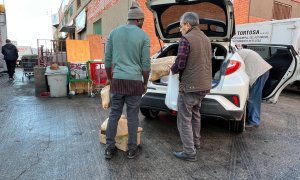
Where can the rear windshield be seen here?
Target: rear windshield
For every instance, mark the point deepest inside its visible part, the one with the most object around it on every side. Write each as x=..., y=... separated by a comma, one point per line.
x=212, y=19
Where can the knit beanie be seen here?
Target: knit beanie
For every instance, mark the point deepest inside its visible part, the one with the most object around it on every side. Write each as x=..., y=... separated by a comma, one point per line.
x=135, y=11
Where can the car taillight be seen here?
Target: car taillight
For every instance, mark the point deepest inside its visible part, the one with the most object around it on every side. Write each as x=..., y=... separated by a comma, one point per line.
x=174, y=113
x=233, y=66
x=235, y=99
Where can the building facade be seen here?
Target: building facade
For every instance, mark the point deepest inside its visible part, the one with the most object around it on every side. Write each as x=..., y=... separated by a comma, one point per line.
x=249, y=11
x=78, y=18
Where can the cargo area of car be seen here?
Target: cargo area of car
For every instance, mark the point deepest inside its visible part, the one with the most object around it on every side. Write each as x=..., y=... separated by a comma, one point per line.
x=218, y=57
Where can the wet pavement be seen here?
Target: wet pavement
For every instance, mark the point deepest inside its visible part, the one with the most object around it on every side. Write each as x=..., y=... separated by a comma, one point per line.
x=58, y=138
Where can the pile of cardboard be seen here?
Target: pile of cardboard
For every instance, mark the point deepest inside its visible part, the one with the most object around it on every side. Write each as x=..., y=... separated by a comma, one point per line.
x=122, y=134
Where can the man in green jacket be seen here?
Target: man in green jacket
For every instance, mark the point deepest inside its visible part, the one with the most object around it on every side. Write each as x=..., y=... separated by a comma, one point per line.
x=127, y=64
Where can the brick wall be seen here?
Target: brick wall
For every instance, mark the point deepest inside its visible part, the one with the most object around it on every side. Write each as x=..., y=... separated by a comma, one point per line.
x=241, y=11
x=253, y=19
x=242, y=14
x=148, y=27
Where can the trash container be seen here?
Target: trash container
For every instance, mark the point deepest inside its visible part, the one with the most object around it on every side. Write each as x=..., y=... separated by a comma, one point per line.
x=57, y=81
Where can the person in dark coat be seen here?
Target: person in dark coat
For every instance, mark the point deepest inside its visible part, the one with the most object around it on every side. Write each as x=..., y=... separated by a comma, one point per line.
x=11, y=55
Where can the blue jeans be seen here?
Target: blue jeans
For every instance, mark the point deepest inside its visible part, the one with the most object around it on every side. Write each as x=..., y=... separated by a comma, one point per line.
x=254, y=101
x=133, y=108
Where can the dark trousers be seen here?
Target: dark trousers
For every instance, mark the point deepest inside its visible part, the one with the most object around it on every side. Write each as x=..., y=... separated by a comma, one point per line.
x=133, y=107
x=11, y=66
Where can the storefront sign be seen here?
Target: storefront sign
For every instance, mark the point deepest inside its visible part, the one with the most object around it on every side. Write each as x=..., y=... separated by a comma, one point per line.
x=97, y=7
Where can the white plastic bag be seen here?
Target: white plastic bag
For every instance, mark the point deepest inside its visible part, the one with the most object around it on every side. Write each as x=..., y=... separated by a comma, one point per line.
x=172, y=92
x=105, y=96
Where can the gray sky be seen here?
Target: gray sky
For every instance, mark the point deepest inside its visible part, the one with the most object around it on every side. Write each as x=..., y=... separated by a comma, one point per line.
x=29, y=20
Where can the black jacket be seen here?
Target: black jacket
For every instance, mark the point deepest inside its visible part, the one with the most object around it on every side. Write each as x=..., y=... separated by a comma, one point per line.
x=10, y=52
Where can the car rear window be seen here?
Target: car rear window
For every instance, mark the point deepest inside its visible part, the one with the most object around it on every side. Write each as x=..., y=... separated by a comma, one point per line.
x=212, y=19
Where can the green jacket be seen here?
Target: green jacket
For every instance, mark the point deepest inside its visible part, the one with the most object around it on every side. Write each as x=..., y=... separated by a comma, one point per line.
x=128, y=51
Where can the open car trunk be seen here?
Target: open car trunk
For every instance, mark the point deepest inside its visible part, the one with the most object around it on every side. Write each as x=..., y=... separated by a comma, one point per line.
x=216, y=22
x=219, y=55
x=216, y=18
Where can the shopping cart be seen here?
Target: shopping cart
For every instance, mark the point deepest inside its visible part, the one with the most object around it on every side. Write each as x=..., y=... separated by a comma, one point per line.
x=98, y=76
x=78, y=74
x=28, y=62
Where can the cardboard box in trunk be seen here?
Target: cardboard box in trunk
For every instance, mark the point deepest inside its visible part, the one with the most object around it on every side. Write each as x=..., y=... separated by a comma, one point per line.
x=122, y=134
x=161, y=67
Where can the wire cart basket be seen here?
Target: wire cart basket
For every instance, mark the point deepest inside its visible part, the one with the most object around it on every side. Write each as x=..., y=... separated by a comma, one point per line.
x=28, y=62
x=78, y=72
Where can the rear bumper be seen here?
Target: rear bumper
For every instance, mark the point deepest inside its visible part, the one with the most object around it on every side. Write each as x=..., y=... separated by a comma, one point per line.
x=209, y=107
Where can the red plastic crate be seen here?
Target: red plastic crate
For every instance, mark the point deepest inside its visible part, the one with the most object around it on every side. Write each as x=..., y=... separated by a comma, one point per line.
x=98, y=73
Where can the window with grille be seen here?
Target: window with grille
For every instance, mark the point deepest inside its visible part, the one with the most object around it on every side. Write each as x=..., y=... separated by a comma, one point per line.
x=281, y=10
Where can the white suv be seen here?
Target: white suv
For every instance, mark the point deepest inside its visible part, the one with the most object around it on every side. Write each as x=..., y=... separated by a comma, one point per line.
x=230, y=85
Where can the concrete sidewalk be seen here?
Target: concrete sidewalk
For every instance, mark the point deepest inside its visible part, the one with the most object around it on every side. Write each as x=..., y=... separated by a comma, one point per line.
x=57, y=138
x=48, y=138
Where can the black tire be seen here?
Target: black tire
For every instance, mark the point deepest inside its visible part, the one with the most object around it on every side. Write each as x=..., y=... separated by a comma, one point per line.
x=149, y=113
x=238, y=126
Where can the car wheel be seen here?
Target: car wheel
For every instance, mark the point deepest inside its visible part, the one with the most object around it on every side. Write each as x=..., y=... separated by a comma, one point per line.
x=149, y=113
x=238, y=126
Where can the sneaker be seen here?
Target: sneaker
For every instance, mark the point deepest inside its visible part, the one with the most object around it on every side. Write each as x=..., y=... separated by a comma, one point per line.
x=109, y=152
x=249, y=125
x=132, y=153
x=183, y=156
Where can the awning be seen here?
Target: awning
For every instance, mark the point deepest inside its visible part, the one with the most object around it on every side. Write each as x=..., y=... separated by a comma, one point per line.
x=69, y=29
